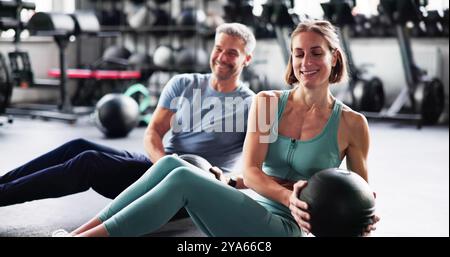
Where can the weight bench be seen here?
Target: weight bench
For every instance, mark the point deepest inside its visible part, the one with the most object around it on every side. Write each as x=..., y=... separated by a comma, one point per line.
x=95, y=79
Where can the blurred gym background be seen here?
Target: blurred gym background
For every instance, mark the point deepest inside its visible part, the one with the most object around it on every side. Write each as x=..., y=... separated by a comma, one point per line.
x=58, y=59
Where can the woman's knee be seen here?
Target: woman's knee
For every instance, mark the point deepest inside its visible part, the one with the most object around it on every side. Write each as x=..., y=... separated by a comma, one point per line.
x=170, y=162
x=185, y=177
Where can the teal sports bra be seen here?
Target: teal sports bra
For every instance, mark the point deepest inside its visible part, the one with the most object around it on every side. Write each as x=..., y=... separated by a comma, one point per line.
x=293, y=159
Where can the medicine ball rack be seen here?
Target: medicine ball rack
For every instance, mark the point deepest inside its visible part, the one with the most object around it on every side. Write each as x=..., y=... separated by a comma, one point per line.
x=176, y=33
x=181, y=27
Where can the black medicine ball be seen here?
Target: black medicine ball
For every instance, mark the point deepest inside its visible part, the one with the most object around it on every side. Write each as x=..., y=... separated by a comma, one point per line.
x=192, y=58
x=142, y=62
x=197, y=161
x=340, y=203
x=116, y=52
x=116, y=115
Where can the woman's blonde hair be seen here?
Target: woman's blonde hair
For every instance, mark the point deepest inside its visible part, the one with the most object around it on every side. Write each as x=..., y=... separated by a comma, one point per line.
x=329, y=33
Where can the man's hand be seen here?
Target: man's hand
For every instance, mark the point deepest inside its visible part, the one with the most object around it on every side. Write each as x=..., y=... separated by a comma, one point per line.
x=218, y=173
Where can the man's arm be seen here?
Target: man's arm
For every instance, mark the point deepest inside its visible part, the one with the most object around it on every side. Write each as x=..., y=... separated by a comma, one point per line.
x=238, y=179
x=158, y=127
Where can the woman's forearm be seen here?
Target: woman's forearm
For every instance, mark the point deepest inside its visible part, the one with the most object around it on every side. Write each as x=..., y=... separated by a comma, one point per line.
x=266, y=186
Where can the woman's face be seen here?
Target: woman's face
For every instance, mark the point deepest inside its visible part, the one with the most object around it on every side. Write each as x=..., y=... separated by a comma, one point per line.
x=312, y=59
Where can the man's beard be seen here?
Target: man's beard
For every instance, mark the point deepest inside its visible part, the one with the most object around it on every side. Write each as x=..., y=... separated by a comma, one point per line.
x=229, y=73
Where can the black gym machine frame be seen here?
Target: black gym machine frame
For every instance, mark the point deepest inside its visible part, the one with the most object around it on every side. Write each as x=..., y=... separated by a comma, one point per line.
x=64, y=109
x=362, y=93
x=61, y=27
x=366, y=94
x=9, y=13
x=425, y=94
x=5, y=91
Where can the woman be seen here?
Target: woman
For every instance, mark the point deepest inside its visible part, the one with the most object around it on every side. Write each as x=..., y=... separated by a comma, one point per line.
x=309, y=131
x=315, y=131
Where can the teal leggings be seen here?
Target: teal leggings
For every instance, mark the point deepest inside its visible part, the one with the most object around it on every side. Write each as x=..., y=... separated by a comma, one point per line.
x=217, y=209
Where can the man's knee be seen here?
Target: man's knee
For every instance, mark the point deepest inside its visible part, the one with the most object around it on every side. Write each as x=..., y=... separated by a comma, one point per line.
x=92, y=170
x=90, y=155
x=79, y=143
x=86, y=162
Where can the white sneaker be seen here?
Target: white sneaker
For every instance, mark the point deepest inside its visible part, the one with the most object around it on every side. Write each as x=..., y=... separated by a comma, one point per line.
x=60, y=233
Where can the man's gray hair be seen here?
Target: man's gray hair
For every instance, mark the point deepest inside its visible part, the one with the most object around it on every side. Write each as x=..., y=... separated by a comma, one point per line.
x=241, y=31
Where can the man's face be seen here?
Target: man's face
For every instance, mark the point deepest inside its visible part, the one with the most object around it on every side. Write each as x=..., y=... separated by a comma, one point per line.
x=228, y=57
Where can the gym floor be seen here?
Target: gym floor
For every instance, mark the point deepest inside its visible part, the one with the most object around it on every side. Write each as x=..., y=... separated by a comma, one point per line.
x=408, y=168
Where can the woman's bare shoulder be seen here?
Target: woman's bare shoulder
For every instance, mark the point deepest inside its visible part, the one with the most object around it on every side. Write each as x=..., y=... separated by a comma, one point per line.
x=269, y=93
x=353, y=120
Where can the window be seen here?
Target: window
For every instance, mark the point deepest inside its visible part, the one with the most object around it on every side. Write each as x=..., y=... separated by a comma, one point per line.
x=311, y=8
x=439, y=5
x=66, y=6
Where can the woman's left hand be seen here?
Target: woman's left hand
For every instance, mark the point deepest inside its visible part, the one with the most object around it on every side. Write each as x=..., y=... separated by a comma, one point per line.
x=371, y=227
x=299, y=209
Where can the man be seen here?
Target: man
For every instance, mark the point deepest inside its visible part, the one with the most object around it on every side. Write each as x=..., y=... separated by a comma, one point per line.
x=79, y=164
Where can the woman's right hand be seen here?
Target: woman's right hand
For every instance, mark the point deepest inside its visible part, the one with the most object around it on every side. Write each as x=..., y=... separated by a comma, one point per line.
x=218, y=173
x=299, y=209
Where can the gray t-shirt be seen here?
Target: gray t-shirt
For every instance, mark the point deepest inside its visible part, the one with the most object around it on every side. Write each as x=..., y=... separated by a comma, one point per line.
x=208, y=123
